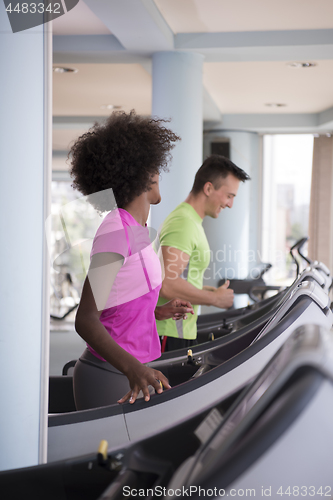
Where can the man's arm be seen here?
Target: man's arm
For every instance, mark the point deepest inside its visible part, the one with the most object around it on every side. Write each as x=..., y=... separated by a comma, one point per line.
x=175, y=262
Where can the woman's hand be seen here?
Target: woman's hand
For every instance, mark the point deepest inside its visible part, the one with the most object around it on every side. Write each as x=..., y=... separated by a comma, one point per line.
x=175, y=309
x=140, y=377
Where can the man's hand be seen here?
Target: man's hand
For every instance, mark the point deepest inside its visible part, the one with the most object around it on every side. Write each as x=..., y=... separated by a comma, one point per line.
x=209, y=288
x=224, y=296
x=175, y=309
x=139, y=379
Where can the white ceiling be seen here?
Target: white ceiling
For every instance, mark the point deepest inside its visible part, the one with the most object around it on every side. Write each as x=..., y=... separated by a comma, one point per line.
x=79, y=21
x=246, y=43
x=193, y=16
x=246, y=87
x=95, y=85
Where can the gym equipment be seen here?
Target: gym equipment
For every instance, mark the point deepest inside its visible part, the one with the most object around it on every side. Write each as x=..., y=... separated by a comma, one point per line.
x=254, y=285
x=216, y=372
x=217, y=324
x=61, y=399
x=275, y=435
x=314, y=264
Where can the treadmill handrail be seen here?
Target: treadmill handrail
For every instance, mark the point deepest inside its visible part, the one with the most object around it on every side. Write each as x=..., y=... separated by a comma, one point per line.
x=300, y=248
x=310, y=288
x=323, y=280
x=322, y=267
x=308, y=272
x=298, y=244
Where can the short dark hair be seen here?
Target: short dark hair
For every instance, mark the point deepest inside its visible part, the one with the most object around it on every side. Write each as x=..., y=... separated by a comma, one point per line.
x=215, y=168
x=123, y=154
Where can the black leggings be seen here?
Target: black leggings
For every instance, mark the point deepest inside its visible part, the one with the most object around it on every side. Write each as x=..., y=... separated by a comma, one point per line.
x=97, y=383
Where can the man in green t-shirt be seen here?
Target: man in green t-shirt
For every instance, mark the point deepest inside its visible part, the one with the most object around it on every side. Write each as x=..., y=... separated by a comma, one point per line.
x=186, y=252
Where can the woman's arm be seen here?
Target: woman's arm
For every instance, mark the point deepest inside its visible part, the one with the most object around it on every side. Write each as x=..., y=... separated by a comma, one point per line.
x=96, y=289
x=175, y=309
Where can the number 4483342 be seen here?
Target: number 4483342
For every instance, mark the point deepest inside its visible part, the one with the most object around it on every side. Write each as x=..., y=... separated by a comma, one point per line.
x=32, y=8
x=304, y=491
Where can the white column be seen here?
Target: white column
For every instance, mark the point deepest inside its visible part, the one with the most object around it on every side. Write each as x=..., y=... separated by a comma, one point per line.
x=24, y=288
x=177, y=94
x=233, y=237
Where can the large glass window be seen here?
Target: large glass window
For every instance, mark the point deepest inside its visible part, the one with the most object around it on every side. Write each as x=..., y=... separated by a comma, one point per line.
x=287, y=168
x=72, y=227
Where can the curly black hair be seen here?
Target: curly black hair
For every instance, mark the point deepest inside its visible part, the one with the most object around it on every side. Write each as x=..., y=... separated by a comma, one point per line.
x=123, y=154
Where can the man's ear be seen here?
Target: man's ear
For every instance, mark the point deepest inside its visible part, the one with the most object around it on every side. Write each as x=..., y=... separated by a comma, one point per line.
x=208, y=188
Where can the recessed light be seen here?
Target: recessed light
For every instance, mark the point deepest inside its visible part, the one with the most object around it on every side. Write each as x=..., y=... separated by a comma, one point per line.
x=110, y=106
x=301, y=65
x=275, y=104
x=60, y=69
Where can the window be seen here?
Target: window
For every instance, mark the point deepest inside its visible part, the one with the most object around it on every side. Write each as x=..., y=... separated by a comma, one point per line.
x=72, y=227
x=287, y=168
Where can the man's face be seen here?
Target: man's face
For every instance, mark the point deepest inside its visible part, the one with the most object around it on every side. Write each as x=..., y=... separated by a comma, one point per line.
x=218, y=199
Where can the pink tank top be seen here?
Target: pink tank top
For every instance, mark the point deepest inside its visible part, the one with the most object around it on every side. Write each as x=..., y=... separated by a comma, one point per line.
x=129, y=312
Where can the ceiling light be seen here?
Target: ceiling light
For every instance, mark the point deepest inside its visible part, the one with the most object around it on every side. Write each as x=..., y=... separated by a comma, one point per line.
x=110, y=106
x=275, y=104
x=301, y=65
x=60, y=69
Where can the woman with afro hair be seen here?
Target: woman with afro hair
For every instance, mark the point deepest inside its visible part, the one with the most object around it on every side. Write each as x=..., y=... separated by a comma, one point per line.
x=117, y=165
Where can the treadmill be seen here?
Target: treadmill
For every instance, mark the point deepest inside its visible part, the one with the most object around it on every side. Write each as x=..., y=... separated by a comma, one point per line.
x=273, y=436
x=209, y=326
x=276, y=440
x=206, y=377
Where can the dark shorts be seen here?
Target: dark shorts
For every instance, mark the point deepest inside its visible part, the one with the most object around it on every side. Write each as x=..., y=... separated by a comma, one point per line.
x=173, y=343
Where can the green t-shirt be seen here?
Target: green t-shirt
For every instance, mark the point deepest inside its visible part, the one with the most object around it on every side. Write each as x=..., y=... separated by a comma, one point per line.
x=182, y=229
